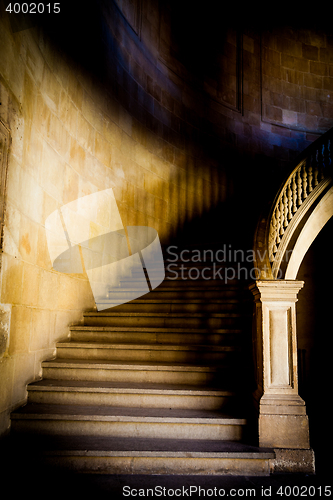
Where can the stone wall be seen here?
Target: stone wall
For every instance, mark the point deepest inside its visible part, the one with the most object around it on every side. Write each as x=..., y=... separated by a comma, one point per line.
x=48, y=162
x=186, y=131
x=297, y=82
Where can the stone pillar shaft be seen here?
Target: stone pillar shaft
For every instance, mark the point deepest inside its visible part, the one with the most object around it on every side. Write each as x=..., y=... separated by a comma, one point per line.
x=283, y=422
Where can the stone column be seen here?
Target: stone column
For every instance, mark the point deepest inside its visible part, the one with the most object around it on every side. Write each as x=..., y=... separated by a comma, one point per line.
x=283, y=423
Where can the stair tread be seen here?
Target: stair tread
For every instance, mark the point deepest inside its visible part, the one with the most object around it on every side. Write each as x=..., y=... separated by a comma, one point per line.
x=153, y=329
x=133, y=365
x=202, y=285
x=91, y=445
x=146, y=388
x=114, y=413
x=145, y=346
x=179, y=301
x=166, y=314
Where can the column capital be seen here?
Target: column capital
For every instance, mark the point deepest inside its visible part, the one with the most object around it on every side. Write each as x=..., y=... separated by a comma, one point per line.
x=276, y=290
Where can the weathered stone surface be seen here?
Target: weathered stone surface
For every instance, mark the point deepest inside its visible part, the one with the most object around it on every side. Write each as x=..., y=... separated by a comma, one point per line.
x=5, y=313
x=282, y=418
x=295, y=461
x=281, y=431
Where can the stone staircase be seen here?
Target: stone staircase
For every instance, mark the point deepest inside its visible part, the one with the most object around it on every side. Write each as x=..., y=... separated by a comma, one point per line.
x=157, y=385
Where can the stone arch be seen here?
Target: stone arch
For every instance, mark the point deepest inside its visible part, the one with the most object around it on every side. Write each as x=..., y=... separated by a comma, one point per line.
x=317, y=220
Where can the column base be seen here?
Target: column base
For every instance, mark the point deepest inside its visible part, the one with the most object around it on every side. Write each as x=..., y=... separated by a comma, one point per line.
x=283, y=422
x=293, y=461
x=284, y=431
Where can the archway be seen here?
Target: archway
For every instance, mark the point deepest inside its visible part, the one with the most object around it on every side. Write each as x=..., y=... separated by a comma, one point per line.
x=315, y=223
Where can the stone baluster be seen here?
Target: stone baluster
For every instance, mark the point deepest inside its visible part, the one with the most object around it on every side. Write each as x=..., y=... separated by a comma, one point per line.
x=310, y=177
x=315, y=170
x=278, y=218
x=294, y=190
x=285, y=209
x=281, y=207
x=290, y=202
x=299, y=188
x=304, y=181
x=271, y=244
x=273, y=236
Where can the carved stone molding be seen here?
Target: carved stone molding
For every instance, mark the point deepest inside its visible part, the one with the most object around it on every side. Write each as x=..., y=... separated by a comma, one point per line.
x=283, y=422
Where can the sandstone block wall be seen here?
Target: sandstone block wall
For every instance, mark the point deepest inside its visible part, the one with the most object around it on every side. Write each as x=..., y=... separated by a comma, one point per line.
x=118, y=101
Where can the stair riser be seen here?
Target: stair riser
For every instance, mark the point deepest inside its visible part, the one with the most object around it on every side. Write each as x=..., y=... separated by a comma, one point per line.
x=172, y=356
x=139, y=376
x=137, y=429
x=152, y=465
x=162, y=322
x=151, y=338
x=201, y=402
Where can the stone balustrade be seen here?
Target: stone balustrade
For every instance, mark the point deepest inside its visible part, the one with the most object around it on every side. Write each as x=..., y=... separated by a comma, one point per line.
x=302, y=188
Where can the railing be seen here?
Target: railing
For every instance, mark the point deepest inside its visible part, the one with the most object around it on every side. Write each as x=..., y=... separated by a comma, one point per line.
x=306, y=183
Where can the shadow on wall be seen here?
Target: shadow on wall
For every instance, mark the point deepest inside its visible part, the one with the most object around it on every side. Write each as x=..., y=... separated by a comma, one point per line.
x=90, y=47
x=314, y=328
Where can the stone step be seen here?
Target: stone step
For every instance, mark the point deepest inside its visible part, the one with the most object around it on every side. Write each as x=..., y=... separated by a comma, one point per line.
x=154, y=385
x=186, y=279
x=133, y=395
x=127, y=422
x=172, y=306
x=113, y=455
x=217, y=286
x=203, y=274
x=189, y=264
x=222, y=336
x=143, y=372
x=172, y=291
x=174, y=320
x=145, y=352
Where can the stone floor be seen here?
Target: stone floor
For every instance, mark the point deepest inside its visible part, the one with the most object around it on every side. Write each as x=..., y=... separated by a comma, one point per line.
x=124, y=486
x=24, y=472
